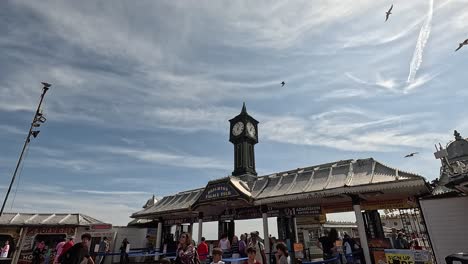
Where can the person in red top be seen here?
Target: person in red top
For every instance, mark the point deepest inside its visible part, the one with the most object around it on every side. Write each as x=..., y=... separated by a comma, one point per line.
x=252, y=253
x=202, y=250
x=416, y=245
x=67, y=245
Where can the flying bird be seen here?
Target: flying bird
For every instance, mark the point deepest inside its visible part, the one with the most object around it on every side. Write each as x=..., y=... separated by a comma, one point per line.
x=388, y=13
x=46, y=84
x=462, y=44
x=282, y=84
x=411, y=154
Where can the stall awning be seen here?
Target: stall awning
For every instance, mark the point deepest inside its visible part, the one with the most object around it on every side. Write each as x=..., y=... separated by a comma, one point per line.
x=179, y=202
x=31, y=219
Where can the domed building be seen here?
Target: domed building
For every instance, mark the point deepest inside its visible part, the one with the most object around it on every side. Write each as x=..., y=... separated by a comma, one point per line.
x=454, y=169
x=445, y=210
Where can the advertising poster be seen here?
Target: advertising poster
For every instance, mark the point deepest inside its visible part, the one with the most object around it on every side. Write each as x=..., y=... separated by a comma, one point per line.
x=399, y=256
x=299, y=250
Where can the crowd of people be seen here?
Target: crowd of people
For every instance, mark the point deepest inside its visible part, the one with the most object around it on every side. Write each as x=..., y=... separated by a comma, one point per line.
x=351, y=250
x=66, y=251
x=248, y=249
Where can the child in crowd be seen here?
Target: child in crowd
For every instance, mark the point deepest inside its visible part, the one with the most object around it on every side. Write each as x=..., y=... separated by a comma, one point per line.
x=251, y=254
x=217, y=256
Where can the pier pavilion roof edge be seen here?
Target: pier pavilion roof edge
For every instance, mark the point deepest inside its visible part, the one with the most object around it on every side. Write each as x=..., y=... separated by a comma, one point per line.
x=324, y=180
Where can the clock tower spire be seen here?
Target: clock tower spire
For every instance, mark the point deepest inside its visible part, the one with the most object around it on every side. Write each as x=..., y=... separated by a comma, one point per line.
x=244, y=135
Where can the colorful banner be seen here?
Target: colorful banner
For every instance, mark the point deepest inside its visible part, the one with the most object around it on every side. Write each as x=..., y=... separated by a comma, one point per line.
x=399, y=257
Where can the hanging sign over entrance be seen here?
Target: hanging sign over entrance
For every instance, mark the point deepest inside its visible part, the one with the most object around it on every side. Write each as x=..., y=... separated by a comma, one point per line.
x=218, y=191
x=255, y=212
x=308, y=210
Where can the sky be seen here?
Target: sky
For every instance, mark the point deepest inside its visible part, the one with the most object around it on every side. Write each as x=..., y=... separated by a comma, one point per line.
x=143, y=91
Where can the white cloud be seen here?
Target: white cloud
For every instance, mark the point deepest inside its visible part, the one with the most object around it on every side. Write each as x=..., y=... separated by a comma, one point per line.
x=12, y=130
x=110, y=192
x=348, y=129
x=387, y=84
x=418, y=82
x=420, y=44
x=346, y=93
x=168, y=159
x=112, y=207
x=352, y=129
x=282, y=25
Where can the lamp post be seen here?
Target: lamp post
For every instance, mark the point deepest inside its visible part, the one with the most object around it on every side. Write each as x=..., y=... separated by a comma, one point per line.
x=37, y=121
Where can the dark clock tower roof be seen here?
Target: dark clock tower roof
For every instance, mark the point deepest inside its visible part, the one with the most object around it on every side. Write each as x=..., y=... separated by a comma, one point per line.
x=244, y=115
x=458, y=149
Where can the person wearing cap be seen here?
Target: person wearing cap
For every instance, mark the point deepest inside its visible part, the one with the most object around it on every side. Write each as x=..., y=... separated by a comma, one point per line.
x=259, y=248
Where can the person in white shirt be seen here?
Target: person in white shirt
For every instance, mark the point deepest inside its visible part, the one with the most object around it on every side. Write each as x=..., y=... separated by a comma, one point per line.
x=217, y=256
x=5, y=249
x=225, y=245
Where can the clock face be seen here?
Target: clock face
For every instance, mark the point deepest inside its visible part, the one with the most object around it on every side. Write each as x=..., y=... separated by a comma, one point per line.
x=251, y=129
x=238, y=128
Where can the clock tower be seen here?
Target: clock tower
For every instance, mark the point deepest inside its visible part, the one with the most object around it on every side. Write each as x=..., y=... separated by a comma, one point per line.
x=244, y=135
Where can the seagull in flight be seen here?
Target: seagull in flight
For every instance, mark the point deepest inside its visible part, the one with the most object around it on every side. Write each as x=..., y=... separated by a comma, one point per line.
x=411, y=154
x=462, y=44
x=46, y=84
x=282, y=83
x=388, y=13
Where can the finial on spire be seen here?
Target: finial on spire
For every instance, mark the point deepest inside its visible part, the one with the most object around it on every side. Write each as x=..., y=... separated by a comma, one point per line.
x=244, y=109
x=457, y=135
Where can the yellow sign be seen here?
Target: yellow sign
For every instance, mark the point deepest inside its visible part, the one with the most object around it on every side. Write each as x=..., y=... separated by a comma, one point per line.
x=298, y=247
x=399, y=256
x=298, y=250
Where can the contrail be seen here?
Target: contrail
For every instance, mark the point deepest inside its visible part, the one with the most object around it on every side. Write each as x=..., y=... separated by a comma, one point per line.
x=420, y=44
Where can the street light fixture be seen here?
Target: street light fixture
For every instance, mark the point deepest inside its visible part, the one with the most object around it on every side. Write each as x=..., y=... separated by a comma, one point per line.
x=37, y=121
